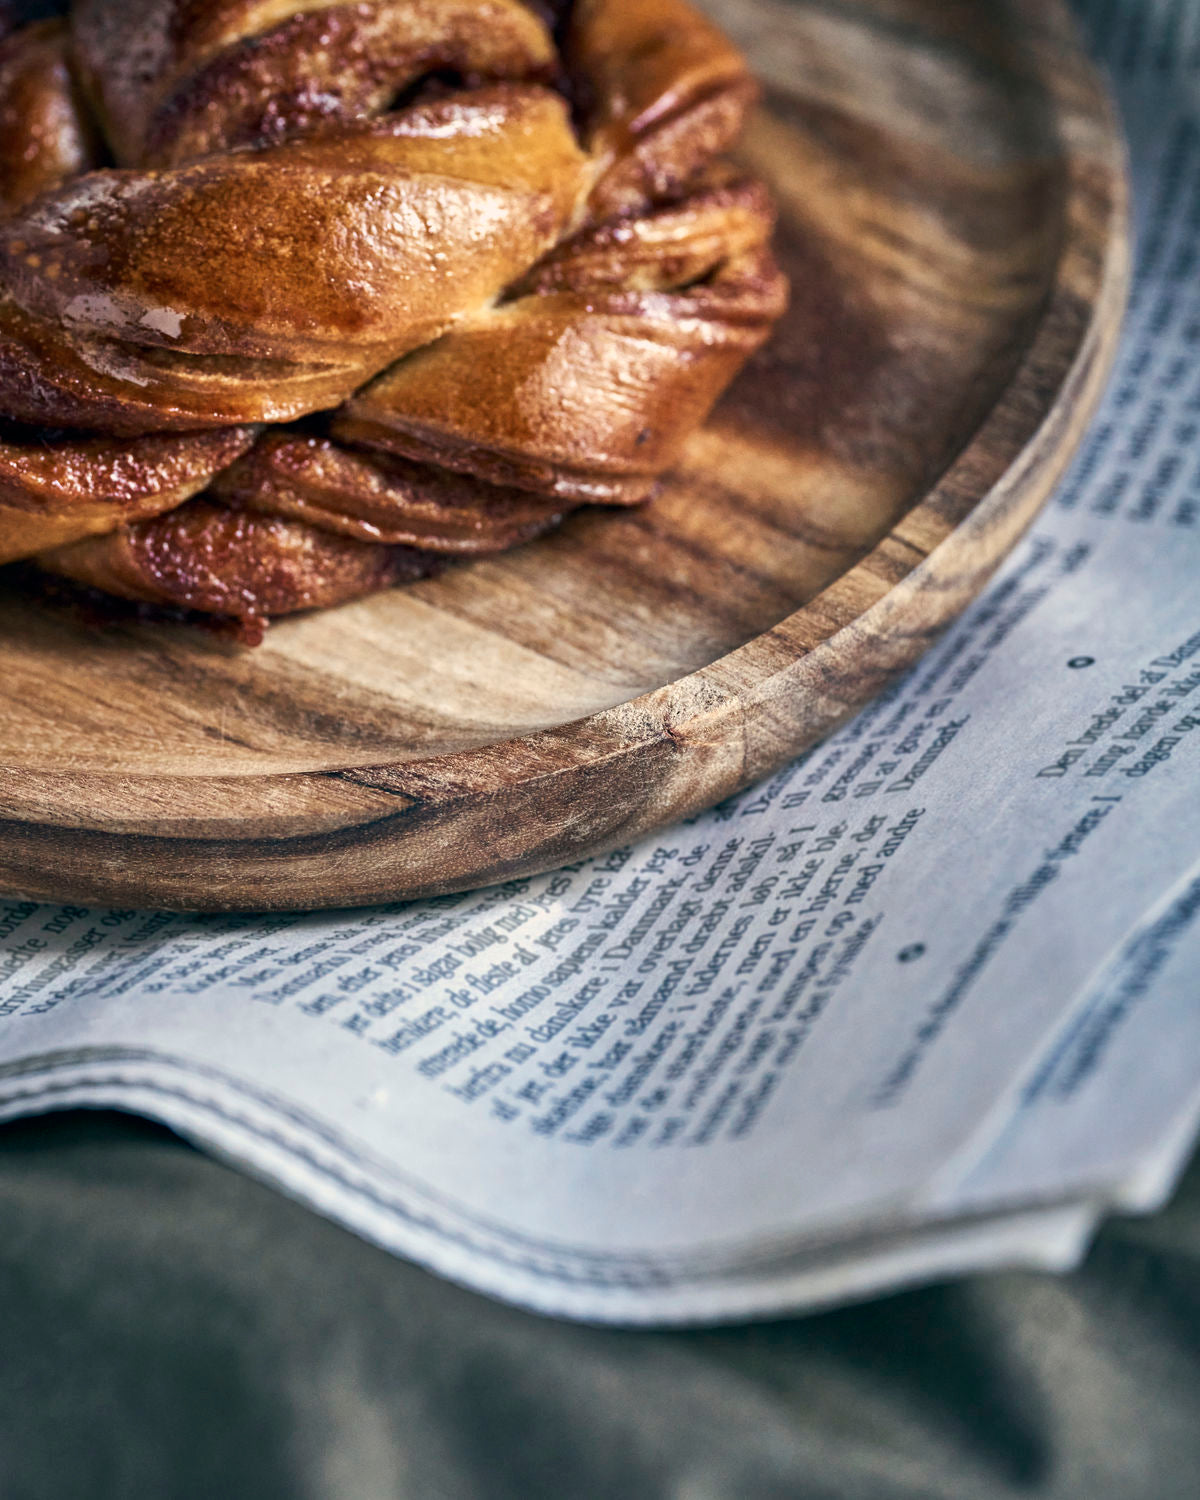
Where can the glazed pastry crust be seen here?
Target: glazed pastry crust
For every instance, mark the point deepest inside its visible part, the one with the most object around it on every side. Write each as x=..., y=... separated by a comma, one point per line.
x=295, y=295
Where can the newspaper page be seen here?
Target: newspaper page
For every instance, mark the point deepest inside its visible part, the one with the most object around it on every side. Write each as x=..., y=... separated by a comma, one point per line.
x=920, y=1003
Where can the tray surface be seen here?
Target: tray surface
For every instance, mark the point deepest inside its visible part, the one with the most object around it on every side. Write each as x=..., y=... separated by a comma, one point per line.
x=952, y=218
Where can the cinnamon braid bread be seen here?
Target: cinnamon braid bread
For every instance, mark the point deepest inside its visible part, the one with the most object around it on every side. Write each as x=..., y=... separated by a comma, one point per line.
x=298, y=298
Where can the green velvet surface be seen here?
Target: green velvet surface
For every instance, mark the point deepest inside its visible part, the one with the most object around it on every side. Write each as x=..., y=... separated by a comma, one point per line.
x=170, y=1328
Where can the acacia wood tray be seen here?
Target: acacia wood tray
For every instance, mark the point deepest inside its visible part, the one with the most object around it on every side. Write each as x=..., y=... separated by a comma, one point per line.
x=952, y=202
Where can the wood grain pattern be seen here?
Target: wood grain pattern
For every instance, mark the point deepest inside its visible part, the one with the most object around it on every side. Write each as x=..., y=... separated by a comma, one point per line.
x=952, y=199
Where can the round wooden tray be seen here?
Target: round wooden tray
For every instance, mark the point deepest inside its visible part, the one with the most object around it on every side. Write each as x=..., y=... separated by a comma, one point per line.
x=952, y=216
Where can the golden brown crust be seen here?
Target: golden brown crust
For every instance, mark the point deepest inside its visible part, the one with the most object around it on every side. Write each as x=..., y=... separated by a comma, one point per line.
x=153, y=276
x=56, y=488
x=486, y=237
x=245, y=78
x=234, y=563
x=664, y=93
x=584, y=386
x=46, y=137
x=381, y=498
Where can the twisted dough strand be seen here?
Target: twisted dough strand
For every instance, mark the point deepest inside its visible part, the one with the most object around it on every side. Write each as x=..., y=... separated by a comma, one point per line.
x=202, y=294
x=508, y=300
x=584, y=384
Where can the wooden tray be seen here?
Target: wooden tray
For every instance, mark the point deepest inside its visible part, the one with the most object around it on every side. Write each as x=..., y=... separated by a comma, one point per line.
x=952, y=197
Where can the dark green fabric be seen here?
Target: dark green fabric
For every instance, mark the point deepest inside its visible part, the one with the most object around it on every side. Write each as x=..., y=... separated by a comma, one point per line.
x=169, y=1328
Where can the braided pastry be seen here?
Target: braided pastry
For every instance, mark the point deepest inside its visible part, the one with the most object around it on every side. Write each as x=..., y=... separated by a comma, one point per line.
x=297, y=298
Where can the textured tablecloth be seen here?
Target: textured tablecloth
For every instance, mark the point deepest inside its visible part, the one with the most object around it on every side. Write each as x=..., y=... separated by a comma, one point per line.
x=171, y=1329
